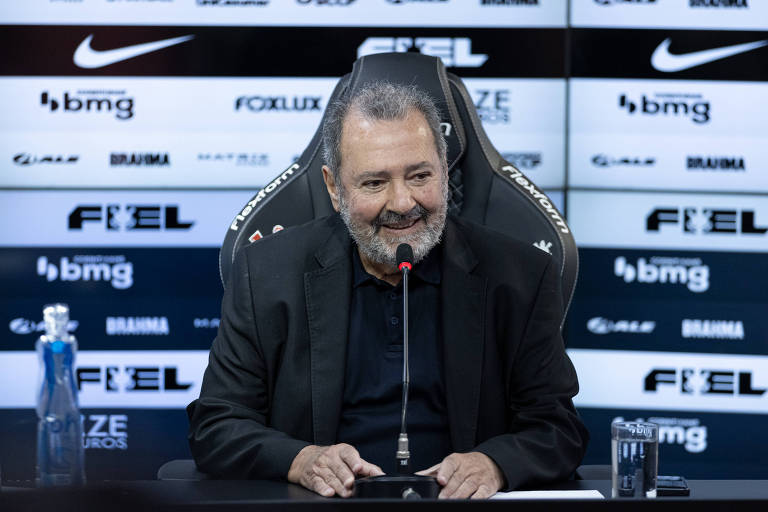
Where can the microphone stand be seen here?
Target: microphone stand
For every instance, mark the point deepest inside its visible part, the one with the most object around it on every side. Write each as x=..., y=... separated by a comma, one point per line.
x=405, y=485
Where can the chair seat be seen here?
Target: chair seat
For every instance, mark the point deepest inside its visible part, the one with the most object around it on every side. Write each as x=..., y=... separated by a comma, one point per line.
x=181, y=469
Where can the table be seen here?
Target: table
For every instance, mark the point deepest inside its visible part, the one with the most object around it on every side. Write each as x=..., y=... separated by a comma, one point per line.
x=238, y=495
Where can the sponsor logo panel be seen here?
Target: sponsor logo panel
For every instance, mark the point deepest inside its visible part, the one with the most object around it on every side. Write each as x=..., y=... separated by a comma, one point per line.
x=707, y=222
x=667, y=325
x=694, y=444
x=712, y=14
x=140, y=323
x=671, y=54
x=196, y=159
x=115, y=219
x=135, y=104
x=666, y=107
x=239, y=52
x=143, y=379
x=693, y=163
x=122, y=274
x=671, y=381
x=356, y=13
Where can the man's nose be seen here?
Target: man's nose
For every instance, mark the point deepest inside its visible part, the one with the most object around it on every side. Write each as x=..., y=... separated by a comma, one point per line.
x=400, y=200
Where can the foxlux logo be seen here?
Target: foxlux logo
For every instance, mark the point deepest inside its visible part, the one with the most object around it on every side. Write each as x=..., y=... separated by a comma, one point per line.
x=137, y=326
x=128, y=217
x=25, y=326
x=703, y=381
x=89, y=267
x=91, y=101
x=105, y=432
x=727, y=4
x=692, y=220
x=669, y=104
x=493, y=106
x=688, y=432
x=115, y=379
x=664, y=270
x=279, y=103
x=600, y=325
x=453, y=51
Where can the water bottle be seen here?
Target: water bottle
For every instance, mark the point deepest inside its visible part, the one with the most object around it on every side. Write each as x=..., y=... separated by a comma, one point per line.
x=60, y=456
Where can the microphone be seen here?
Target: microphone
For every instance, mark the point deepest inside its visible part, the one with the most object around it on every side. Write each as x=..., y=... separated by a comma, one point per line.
x=405, y=485
x=404, y=257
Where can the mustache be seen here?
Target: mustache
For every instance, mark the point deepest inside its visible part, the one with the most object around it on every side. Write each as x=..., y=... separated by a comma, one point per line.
x=390, y=217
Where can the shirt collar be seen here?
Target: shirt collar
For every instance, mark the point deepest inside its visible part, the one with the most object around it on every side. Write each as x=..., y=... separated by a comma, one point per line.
x=427, y=270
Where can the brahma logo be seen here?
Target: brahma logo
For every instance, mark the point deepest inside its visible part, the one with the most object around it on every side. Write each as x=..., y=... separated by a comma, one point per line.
x=137, y=326
x=113, y=269
x=713, y=329
x=453, y=51
x=716, y=163
x=724, y=4
x=140, y=159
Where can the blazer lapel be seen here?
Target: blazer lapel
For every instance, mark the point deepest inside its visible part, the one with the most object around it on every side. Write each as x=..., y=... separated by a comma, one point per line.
x=327, y=291
x=463, y=312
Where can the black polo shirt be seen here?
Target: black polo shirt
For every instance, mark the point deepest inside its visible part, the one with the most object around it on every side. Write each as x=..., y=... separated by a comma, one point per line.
x=370, y=414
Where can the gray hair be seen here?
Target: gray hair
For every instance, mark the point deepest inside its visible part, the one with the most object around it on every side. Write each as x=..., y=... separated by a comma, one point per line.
x=378, y=101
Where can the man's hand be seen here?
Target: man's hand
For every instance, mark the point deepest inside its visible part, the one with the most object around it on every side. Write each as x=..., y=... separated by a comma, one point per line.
x=467, y=475
x=330, y=470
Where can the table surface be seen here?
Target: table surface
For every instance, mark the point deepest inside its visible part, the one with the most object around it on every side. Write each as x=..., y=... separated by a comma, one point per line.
x=137, y=495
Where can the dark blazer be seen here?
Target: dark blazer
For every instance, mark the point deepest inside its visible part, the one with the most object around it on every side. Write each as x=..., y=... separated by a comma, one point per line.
x=275, y=377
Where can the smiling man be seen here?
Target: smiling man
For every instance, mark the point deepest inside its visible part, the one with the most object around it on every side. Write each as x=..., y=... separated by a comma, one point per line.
x=304, y=377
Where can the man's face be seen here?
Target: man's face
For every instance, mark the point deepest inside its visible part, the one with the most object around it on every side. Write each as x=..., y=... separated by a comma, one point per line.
x=393, y=186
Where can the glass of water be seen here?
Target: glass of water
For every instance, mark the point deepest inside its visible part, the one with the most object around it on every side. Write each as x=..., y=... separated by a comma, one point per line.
x=634, y=459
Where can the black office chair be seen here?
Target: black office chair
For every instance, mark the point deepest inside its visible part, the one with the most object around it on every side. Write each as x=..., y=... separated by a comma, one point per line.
x=485, y=188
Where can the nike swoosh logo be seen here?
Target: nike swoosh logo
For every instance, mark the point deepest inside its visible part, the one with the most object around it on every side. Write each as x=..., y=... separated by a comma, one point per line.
x=667, y=62
x=87, y=57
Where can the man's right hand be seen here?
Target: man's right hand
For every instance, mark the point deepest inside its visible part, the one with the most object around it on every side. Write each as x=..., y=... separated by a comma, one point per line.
x=330, y=470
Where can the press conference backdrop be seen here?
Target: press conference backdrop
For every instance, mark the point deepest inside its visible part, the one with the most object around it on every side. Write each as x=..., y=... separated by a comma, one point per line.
x=133, y=130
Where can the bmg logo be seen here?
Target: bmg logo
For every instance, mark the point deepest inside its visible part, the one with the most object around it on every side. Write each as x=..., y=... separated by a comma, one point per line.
x=672, y=104
x=91, y=101
x=86, y=267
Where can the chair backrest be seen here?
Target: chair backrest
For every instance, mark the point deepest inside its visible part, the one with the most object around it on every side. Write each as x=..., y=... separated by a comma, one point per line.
x=485, y=188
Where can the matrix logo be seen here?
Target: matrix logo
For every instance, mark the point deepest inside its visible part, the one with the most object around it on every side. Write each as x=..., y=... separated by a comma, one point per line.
x=113, y=269
x=129, y=217
x=528, y=161
x=694, y=221
x=30, y=159
x=453, y=51
x=703, y=381
x=493, y=105
x=726, y=4
x=713, y=329
x=716, y=163
x=232, y=3
x=688, y=432
x=105, y=432
x=140, y=159
x=115, y=379
x=137, y=326
x=510, y=2
x=669, y=105
x=106, y=101
x=239, y=159
x=279, y=103
x=664, y=270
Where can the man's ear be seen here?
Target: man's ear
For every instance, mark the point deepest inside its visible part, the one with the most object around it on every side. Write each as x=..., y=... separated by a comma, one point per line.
x=330, y=186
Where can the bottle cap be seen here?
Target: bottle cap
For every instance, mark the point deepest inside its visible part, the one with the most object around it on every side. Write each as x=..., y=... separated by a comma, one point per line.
x=56, y=318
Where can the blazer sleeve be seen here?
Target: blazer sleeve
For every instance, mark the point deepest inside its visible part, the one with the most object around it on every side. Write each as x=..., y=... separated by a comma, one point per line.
x=228, y=432
x=545, y=439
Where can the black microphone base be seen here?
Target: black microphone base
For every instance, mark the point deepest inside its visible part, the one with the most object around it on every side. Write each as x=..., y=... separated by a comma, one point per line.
x=394, y=487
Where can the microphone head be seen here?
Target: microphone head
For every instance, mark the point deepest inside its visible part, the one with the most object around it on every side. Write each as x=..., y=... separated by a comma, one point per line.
x=404, y=256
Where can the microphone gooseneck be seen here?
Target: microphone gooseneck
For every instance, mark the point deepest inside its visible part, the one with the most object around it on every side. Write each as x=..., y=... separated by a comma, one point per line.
x=404, y=256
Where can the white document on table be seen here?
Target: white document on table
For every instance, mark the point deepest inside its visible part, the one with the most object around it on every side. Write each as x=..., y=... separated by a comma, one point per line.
x=549, y=495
